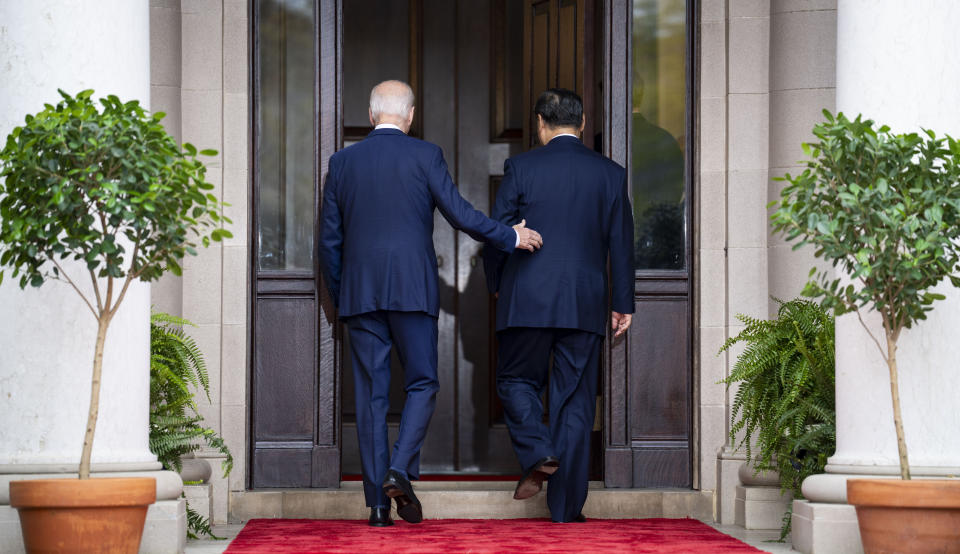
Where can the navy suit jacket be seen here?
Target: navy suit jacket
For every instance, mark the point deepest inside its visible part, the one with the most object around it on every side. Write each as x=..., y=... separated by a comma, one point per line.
x=376, y=244
x=577, y=200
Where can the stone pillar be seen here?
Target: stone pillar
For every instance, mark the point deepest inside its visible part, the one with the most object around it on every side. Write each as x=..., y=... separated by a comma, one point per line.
x=166, y=293
x=747, y=173
x=895, y=65
x=803, y=51
x=47, y=334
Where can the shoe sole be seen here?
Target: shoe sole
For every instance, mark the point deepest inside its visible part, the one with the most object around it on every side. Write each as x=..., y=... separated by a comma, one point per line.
x=406, y=508
x=533, y=484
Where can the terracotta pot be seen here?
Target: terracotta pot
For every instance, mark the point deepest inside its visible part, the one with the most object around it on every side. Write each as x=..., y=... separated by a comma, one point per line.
x=919, y=515
x=92, y=515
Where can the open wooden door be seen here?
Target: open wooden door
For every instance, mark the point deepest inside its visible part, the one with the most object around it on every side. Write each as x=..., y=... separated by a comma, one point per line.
x=647, y=46
x=557, y=53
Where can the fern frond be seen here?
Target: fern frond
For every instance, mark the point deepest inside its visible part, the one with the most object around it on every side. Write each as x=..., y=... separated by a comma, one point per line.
x=784, y=405
x=177, y=368
x=197, y=526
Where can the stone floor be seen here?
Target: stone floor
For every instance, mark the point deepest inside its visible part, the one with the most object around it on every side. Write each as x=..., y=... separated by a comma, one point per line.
x=757, y=539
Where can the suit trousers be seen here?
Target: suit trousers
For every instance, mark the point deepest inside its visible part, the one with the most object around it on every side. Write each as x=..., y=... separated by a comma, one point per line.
x=524, y=362
x=372, y=335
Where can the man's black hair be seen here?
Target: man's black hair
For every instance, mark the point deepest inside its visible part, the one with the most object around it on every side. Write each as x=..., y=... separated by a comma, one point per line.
x=560, y=107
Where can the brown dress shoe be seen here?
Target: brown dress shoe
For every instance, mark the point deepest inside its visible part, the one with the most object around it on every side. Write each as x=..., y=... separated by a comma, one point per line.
x=532, y=481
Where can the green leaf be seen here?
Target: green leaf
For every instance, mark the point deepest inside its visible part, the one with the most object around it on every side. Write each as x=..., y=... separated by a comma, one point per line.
x=80, y=173
x=883, y=209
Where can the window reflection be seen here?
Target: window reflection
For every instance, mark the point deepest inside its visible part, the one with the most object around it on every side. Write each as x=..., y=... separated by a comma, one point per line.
x=658, y=133
x=286, y=159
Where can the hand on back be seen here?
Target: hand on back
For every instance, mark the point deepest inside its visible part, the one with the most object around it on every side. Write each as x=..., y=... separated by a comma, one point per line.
x=529, y=239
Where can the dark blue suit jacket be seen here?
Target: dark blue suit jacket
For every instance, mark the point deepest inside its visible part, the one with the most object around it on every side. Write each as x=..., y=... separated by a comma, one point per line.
x=577, y=200
x=376, y=244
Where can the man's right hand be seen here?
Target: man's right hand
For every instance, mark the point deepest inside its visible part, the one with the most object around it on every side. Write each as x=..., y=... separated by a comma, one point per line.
x=620, y=322
x=528, y=238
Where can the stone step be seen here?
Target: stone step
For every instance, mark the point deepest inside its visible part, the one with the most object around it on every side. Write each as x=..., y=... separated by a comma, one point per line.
x=469, y=500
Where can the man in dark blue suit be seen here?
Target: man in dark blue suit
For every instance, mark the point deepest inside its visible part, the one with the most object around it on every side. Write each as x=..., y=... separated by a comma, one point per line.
x=555, y=302
x=378, y=261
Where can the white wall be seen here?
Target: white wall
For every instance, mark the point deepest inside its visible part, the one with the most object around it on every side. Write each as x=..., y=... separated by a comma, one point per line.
x=47, y=335
x=898, y=66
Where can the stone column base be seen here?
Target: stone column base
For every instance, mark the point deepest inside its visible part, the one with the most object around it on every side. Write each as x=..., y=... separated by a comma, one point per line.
x=11, y=539
x=165, y=531
x=728, y=469
x=822, y=528
x=200, y=499
x=760, y=507
x=219, y=486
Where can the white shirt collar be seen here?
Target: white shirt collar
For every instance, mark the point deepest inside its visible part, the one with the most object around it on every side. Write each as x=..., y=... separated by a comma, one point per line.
x=565, y=135
x=387, y=126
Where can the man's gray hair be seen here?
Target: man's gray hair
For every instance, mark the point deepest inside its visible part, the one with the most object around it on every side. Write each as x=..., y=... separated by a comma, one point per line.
x=391, y=98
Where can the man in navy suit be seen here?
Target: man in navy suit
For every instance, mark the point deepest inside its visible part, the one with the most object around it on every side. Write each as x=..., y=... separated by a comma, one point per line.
x=555, y=302
x=378, y=261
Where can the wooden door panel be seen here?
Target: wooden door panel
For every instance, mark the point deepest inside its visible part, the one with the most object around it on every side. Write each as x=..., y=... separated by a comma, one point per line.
x=284, y=371
x=659, y=387
x=664, y=465
x=558, y=52
x=282, y=468
x=536, y=62
x=569, y=43
x=284, y=384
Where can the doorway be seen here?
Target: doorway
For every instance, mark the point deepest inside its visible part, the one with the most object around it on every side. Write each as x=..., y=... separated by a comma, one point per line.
x=476, y=69
x=462, y=59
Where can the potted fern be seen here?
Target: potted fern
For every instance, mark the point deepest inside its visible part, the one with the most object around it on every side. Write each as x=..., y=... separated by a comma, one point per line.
x=97, y=195
x=883, y=208
x=177, y=369
x=785, y=400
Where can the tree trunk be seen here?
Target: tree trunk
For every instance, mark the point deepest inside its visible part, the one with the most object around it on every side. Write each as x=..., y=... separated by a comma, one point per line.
x=103, y=323
x=897, y=417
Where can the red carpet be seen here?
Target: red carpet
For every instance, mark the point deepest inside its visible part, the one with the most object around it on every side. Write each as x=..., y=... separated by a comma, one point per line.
x=485, y=535
x=447, y=477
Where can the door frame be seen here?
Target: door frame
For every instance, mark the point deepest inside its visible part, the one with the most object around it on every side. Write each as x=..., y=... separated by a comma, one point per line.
x=620, y=453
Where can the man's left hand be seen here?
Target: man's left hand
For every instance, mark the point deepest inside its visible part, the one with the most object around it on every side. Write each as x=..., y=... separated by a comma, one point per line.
x=528, y=238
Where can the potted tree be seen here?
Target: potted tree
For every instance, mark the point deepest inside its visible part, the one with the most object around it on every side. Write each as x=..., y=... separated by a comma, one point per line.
x=884, y=208
x=98, y=194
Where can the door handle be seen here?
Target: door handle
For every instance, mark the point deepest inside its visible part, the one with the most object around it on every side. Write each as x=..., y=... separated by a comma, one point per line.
x=439, y=261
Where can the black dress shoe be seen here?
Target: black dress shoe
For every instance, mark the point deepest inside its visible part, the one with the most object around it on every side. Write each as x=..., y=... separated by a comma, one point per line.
x=532, y=481
x=580, y=518
x=397, y=487
x=380, y=517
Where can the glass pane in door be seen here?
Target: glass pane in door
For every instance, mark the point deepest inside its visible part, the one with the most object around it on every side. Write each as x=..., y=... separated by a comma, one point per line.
x=286, y=159
x=659, y=133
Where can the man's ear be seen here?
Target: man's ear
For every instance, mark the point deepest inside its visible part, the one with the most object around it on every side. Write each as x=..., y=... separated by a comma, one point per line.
x=410, y=116
x=373, y=122
x=539, y=122
x=583, y=122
